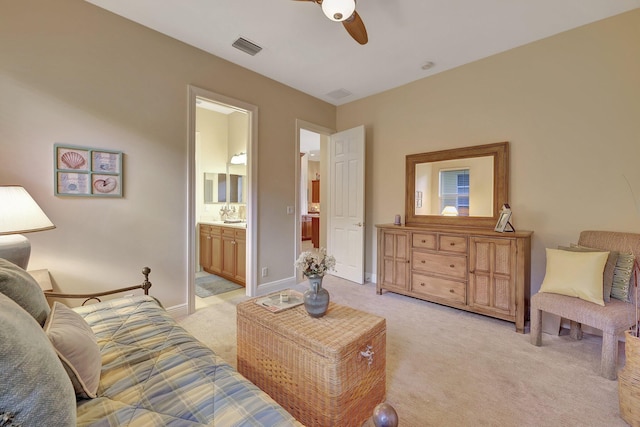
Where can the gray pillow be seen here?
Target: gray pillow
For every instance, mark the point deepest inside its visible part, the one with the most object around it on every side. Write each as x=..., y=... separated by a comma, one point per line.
x=77, y=347
x=18, y=285
x=622, y=277
x=34, y=386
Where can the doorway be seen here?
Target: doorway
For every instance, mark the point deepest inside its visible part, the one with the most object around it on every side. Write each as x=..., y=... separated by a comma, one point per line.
x=312, y=152
x=310, y=187
x=342, y=220
x=222, y=187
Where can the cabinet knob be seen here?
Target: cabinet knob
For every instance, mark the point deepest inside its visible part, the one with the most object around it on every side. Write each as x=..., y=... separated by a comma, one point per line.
x=423, y=241
x=451, y=291
x=423, y=261
x=422, y=284
x=451, y=265
x=452, y=244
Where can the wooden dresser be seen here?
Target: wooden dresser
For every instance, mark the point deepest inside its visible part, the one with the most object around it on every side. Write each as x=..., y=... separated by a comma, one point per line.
x=472, y=269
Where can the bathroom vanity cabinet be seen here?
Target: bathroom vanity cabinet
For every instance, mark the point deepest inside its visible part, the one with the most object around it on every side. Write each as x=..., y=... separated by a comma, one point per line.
x=223, y=251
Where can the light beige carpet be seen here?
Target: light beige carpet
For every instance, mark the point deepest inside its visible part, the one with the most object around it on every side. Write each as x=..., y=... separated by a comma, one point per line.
x=447, y=367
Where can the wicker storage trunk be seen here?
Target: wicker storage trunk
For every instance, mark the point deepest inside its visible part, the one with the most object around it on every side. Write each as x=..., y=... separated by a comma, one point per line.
x=314, y=368
x=629, y=381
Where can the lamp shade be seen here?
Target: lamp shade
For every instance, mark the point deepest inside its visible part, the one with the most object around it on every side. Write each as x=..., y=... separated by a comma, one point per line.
x=338, y=10
x=19, y=213
x=450, y=211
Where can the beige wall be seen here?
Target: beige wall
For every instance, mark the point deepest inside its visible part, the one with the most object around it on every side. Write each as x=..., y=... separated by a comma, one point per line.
x=76, y=74
x=570, y=107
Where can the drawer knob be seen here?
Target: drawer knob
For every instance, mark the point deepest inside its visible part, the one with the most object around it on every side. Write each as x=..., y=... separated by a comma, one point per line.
x=422, y=284
x=452, y=244
x=451, y=265
x=368, y=354
x=452, y=291
x=424, y=241
x=423, y=261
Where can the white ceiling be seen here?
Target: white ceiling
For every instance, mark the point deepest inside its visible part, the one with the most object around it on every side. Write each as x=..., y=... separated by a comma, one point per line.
x=305, y=50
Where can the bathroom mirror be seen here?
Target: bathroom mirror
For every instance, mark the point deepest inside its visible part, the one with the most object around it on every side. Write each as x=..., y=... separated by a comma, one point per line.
x=230, y=187
x=458, y=187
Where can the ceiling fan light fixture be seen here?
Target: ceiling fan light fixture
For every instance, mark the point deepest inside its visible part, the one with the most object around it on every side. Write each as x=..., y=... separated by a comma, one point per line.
x=338, y=10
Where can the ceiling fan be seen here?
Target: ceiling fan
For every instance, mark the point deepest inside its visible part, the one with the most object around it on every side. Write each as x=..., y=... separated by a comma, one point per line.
x=344, y=11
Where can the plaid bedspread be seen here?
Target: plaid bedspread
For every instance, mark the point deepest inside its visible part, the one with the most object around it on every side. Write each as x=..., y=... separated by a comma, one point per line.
x=154, y=373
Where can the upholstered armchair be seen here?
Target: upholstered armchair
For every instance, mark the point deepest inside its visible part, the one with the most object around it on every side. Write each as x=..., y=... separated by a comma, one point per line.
x=612, y=318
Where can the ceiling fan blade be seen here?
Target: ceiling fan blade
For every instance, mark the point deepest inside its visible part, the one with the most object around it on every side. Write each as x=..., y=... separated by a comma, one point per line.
x=355, y=27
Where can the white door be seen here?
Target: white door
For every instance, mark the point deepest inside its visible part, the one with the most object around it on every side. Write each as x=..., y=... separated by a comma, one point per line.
x=345, y=233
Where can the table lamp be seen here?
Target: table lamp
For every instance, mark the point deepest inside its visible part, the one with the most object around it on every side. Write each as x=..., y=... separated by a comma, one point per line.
x=19, y=213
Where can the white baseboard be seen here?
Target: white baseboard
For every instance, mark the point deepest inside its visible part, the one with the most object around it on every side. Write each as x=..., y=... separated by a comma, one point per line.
x=178, y=311
x=278, y=285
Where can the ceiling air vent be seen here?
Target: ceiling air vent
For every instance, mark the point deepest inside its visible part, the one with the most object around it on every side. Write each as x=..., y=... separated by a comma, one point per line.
x=339, y=94
x=246, y=46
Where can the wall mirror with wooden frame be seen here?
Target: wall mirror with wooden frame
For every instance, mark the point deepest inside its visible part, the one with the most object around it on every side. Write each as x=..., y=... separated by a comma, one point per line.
x=463, y=187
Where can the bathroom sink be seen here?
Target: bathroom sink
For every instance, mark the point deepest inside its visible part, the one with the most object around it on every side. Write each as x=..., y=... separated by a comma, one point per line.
x=233, y=221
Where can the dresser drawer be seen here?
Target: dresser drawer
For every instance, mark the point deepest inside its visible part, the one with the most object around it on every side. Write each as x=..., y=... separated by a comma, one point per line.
x=440, y=288
x=457, y=244
x=424, y=240
x=454, y=266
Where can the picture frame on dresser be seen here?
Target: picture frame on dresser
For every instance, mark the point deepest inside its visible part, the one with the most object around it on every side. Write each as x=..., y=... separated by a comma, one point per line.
x=503, y=221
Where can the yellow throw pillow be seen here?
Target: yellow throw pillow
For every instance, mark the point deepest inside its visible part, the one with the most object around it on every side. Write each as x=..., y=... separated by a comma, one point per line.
x=575, y=274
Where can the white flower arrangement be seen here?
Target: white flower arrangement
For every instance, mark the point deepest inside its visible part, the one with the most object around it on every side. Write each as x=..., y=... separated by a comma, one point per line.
x=315, y=263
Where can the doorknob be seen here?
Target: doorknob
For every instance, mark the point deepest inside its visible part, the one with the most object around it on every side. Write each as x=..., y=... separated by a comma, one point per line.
x=360, y=224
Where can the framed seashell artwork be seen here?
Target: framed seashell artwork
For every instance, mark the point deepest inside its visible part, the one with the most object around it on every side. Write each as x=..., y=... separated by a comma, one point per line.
x=88, y=172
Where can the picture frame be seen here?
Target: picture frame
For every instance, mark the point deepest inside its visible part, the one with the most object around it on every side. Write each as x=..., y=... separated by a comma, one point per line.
x=87, y=172
x=503, y=221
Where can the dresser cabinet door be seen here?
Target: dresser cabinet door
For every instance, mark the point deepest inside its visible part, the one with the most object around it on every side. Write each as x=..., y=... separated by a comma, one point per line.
x=394, y=267
x=492, y=265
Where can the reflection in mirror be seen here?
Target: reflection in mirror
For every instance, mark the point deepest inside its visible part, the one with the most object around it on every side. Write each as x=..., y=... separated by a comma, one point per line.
x=211, y=187
x=463, y=186
x=237, y=183
x=235, y=189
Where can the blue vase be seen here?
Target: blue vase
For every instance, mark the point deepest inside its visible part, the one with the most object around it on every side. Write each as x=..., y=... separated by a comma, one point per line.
x=316, y=298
